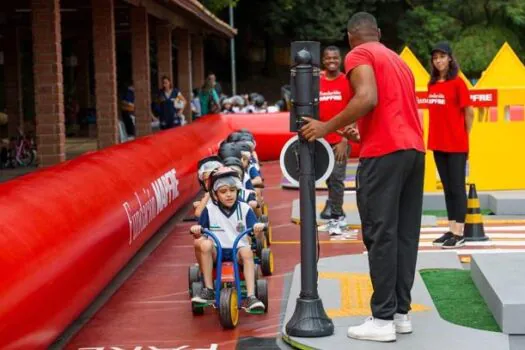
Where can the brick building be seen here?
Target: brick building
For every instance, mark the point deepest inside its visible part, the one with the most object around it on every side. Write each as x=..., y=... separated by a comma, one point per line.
x=107, y=42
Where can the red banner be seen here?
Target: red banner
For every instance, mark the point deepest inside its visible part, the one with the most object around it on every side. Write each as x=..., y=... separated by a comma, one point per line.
x=479, y=98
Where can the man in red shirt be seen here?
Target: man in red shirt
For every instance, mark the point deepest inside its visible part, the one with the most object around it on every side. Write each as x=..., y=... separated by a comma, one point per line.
x=390, y=175
x=334, y=95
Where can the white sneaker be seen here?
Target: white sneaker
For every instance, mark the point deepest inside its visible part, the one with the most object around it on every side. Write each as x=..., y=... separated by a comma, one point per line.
x=374, y=329
x=403, y=323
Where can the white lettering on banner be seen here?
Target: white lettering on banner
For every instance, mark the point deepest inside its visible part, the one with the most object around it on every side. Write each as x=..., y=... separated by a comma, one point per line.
x=330, y=96
x=481, y=97
x=138, y=347
x=150, y=202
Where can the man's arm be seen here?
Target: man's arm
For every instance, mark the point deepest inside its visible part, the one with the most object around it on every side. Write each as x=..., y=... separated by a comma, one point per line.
x=363, y=83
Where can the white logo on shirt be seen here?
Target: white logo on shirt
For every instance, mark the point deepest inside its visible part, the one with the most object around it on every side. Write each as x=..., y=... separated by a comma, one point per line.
x=330, y=96
x=436, y=99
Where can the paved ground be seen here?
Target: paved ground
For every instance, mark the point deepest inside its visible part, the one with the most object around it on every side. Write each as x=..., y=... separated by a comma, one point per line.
x=152, y=307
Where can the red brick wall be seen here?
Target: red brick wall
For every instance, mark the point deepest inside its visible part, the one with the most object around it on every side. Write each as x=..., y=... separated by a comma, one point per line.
x=141, y=69
x=197, y=55
x=182, y=37
x=164, y=51
x=12, y=77
x=48, y=77
x=105, y=72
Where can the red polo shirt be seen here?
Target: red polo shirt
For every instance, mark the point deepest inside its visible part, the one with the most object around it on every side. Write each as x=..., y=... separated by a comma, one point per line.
x=446, y=107
x=394, y=124
x=334, y=95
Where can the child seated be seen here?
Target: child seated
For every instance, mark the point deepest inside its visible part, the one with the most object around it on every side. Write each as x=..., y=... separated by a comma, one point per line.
x=227, y=217
x=250, y=169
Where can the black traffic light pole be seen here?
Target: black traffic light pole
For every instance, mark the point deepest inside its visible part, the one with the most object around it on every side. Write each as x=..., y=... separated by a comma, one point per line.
x=309, y=318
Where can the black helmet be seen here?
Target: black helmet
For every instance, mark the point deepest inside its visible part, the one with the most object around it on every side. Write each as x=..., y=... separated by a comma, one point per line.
x=234, y=136
x=232, y=161
x=245, y=131
x=258, y=101
x=244, y=146
x=229, y=149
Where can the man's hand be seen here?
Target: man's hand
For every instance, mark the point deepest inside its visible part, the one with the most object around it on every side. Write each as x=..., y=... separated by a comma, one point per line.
x=340, y=150
x=313, y=129
x=196, y=230
x=350, y=133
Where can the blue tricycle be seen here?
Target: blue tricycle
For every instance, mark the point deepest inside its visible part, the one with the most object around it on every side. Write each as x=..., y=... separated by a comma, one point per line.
x=230, y=286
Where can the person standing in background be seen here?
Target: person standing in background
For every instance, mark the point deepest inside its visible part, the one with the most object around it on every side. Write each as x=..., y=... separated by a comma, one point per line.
x=334, y=95
x=450, y=121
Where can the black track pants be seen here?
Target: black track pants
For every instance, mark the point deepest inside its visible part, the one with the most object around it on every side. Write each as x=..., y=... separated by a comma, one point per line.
x=390, y=200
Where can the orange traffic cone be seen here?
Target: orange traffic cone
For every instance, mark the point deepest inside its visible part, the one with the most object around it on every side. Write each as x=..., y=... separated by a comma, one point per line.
x=474, y=230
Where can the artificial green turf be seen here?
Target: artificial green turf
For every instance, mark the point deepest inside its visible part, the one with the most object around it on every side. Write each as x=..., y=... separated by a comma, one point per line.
x=457, y=298
x=443, y=213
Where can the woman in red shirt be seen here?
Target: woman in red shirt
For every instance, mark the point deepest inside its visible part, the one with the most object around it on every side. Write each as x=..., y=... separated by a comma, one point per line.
x=451, y=117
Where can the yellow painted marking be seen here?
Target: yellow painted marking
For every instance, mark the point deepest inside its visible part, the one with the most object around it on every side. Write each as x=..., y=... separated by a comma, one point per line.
x=492, y=222
x=346, y=206
x=473, y=203
x=339, y=241
x=355, y=293
x=465, y=259
x=473, y=219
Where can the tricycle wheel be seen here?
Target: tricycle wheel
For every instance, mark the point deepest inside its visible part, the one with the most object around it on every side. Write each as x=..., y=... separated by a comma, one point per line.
x=259, y=246
x=267, y=262
x=262, y=292
x=257, y=274
x=228, y=310
x=194, y=275
x=196, y=288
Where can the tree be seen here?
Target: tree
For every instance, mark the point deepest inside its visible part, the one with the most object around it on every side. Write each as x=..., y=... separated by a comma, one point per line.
x=475, y=28
x=479, y=44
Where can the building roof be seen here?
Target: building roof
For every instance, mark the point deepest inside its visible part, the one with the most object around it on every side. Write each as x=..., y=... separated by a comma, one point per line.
x=197, y=9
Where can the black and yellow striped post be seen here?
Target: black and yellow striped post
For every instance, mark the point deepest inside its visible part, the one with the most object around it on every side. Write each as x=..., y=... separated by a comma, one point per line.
x=474, y=230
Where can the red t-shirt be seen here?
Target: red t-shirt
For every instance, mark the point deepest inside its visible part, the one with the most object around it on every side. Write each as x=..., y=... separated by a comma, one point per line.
x=334, y=95
x=394, y=124
x=446, y=106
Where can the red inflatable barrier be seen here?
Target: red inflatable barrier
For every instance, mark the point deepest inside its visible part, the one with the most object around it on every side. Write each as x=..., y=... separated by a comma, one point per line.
x=66, y=231
x=271, y=132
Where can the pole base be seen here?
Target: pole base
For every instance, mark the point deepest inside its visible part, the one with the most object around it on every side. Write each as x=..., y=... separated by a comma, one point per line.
x=476, y=238
x=309, y=320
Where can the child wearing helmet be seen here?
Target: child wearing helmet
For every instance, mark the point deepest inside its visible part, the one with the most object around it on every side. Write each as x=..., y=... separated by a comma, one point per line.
x=245, y=195
x=206, y=167
x=227, y=217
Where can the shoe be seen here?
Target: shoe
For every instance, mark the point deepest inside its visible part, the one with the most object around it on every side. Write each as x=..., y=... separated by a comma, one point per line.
x=251, y=303
x=439, y=242
x=454, y=242
x=327, y=211
x=371, y=330
x=341, y=221
x=403, y=323
x=333, y=228
x=206, y=296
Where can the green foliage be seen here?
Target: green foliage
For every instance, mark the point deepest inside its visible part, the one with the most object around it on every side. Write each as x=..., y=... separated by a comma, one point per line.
x=421, y=28
x=475, y=28
x=477, y=46
x=218, y=5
